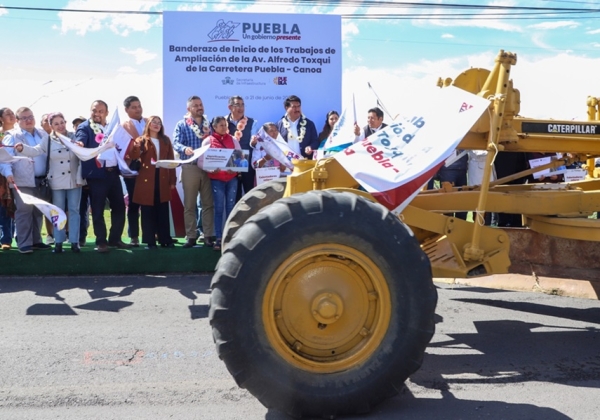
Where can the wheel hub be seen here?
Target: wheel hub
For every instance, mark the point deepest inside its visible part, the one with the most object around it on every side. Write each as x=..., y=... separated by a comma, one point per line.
x=327, y=308
x=305, y=309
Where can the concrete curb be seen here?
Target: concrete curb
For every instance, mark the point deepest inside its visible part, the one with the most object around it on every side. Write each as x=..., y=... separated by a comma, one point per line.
x=531, y=283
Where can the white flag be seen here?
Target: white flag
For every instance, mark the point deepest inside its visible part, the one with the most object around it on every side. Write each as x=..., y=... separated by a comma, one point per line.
x=342, y=135
x=6, y=157
x=174, y=163
x=394, y=163
x=84, y=154
x=277, y=148
x=55, y=214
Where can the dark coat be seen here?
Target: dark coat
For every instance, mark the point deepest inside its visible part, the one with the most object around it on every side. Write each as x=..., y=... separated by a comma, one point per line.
x=85, y=134
x=367, y=130
x=310, y=137
x=144, y=149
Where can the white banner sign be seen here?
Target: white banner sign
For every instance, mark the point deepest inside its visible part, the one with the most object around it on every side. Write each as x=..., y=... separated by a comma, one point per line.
x=572, y=175
x=267, y=174
x=395, y=163
x=261, y=57
x=226, y=159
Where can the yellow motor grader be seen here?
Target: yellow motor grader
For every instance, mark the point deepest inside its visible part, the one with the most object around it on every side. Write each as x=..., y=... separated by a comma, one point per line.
x=323, y=300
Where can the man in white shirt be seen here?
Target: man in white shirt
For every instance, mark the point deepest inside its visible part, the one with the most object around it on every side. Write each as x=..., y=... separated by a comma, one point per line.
x=135, y=127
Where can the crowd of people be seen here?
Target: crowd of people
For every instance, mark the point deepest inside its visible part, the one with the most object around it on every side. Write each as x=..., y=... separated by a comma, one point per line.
x=55, y=173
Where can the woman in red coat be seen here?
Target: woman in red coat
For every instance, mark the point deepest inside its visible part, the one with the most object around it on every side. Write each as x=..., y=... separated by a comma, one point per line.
x=153, y=185
x=224, y=183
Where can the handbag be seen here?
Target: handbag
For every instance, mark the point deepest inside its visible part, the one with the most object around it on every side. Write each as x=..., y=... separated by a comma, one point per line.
x=135, y=165
x=45, y=192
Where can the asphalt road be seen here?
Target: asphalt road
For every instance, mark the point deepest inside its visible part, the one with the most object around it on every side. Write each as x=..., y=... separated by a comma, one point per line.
x=141, y=348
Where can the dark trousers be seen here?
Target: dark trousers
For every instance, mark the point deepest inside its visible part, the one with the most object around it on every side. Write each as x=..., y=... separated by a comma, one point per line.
x=84, y=219
x=102, y=189
x=155, y=219
x=7, y=225
x=509, y=163
x=133, y=210
x=245, y=181
x=458, y=178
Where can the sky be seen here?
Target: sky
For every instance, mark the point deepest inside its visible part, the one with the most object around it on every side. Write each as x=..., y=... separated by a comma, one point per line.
x=62, y=60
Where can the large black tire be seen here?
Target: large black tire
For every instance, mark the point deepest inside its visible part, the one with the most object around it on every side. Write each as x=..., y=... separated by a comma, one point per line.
x=251, y=203
x=325, y=249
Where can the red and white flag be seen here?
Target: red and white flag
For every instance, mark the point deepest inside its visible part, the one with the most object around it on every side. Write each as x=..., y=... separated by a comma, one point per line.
x=396, y=162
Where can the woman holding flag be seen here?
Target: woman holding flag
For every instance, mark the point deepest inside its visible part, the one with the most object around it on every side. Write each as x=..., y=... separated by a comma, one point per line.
x=64, y=175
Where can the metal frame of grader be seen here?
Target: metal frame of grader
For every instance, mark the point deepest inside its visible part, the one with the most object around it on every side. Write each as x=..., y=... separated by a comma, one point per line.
x=462, y=249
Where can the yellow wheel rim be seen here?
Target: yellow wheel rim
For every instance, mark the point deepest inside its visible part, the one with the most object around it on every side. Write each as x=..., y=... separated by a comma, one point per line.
x=326, y=308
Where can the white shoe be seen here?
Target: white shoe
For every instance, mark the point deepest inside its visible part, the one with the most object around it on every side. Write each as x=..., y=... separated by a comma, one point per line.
x=49, y=240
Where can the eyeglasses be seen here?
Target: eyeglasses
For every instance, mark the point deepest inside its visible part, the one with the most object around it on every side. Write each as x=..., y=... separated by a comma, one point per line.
x=238, y=105
x=28, y=118
x=156, y=122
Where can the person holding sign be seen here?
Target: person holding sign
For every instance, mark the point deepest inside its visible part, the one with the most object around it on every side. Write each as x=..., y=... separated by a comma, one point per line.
x=224, y=183
x=153, y=185
x=64, y=175
x=187, y=137
x=261, y=159
x=298, y=131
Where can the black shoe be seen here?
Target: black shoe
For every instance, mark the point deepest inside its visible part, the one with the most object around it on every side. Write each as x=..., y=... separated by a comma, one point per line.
x=102, y=248
x=119, y=244
x=151, y=247
x=41, y=245
x=210, y=241
x=75, y=248
x=169, y=245
x=57, y=248
x=189, y=243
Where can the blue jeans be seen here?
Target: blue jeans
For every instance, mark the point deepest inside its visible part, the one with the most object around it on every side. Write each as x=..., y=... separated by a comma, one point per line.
x=8, y=227
x=73, y=200
x=224, y=198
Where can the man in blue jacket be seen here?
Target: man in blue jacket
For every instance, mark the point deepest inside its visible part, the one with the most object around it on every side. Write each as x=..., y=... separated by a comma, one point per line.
x=103, y=179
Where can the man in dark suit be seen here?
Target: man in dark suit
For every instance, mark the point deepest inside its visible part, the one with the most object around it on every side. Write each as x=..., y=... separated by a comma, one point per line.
x=103, y=180
x=299, y=132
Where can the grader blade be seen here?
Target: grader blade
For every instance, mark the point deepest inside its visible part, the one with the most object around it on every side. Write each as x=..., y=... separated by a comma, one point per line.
x=538, y=255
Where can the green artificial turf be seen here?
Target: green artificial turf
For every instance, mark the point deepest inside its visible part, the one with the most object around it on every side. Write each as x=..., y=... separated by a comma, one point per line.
x=117, y=261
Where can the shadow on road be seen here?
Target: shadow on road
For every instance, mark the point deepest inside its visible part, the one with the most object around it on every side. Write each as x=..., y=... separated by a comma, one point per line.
x=103, y=296
x=406, y=406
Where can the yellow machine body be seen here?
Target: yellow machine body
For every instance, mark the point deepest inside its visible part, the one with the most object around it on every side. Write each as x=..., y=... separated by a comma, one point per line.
x=458, y=248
